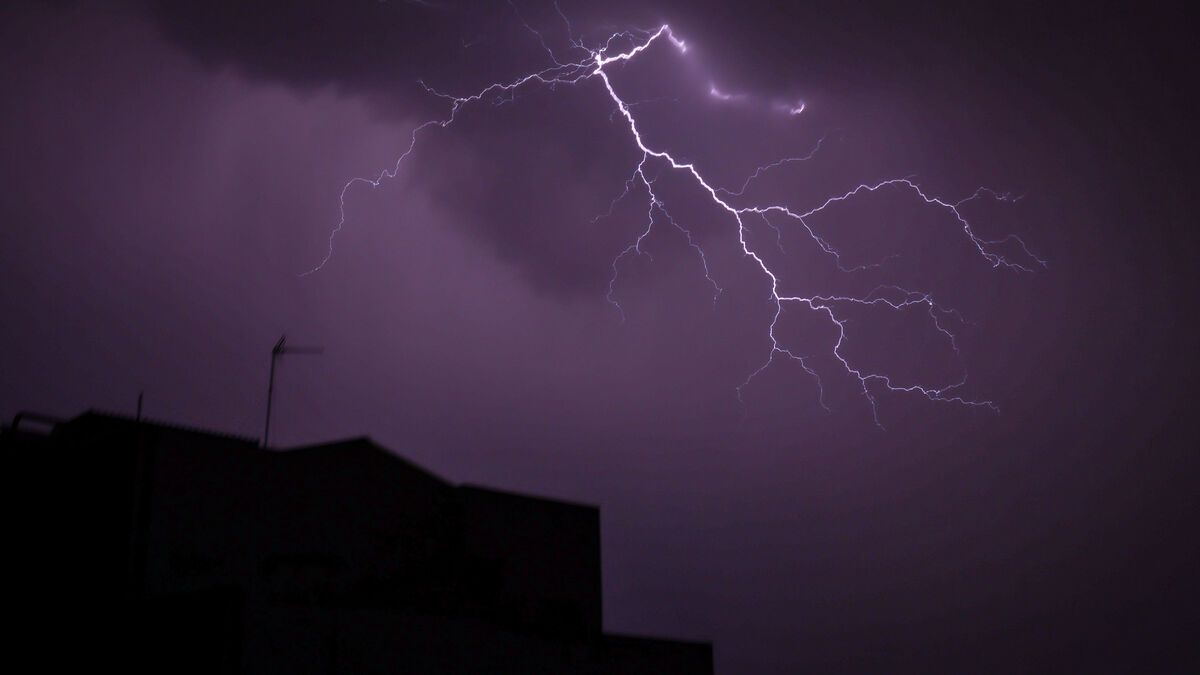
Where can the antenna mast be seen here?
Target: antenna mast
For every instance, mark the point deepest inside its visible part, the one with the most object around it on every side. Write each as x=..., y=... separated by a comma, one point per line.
x=277, y=351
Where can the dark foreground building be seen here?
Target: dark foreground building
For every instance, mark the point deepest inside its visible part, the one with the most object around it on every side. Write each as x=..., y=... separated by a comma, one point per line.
x=154, y=548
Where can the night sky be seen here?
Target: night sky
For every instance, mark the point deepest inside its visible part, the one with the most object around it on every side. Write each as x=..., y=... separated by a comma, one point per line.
x=170, y=172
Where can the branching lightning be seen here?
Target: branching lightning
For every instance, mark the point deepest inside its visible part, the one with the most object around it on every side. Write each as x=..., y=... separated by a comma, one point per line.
x=591, y=64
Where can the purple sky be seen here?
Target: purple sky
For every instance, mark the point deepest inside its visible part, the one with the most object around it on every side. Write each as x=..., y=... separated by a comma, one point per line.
x=169, y=173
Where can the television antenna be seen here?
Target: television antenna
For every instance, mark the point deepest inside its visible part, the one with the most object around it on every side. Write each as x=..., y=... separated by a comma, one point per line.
x=277, y=351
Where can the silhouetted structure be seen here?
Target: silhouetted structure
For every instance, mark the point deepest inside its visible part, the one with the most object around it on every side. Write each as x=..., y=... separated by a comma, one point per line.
x=165, y=549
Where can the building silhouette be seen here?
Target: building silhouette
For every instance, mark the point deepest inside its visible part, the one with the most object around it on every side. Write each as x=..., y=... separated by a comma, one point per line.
x=145, y=547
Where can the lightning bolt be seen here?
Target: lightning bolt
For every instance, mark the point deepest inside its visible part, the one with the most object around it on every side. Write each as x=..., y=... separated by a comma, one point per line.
x=591, y=63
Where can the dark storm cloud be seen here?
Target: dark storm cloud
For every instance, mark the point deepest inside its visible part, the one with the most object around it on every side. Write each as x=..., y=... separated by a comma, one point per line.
x=308, y=44
x=365, y=47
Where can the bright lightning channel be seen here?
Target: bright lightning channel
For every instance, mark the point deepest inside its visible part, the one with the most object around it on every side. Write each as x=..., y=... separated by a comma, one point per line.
x=591, y=66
